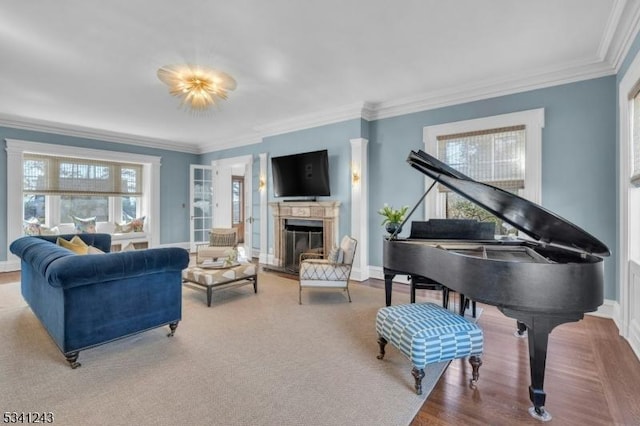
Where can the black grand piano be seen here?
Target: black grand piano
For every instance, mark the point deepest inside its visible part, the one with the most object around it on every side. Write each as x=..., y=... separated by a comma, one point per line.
x=551, y=279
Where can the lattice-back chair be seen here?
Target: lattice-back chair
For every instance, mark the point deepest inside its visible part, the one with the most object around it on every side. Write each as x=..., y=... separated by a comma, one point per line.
x=221, y=240
x=330, y=272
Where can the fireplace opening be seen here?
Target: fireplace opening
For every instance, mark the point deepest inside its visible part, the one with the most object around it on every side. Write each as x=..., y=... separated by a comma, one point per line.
x=301, y=236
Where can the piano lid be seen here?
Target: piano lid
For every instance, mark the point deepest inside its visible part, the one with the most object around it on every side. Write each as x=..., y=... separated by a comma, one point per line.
x=526, y=216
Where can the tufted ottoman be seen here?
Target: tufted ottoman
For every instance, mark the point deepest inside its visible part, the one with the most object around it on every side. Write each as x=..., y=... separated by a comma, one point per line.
x=427, y=333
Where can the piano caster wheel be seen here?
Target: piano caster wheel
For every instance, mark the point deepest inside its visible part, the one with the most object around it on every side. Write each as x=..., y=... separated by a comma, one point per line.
x=473, y=384
x=540, y=414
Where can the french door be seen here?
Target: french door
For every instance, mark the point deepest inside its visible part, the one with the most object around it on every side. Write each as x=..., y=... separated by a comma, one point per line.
x=201, y=205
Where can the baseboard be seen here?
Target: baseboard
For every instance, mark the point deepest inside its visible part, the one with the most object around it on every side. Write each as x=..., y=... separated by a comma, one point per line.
x=378, y=273
x=634, y=337
x=10, y=265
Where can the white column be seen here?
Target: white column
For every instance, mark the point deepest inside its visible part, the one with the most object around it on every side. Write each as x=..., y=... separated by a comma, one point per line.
x=360, y=207
x=264, y=220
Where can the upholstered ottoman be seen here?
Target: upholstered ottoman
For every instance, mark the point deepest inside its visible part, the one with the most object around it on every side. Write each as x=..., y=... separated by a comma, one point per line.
x=427, y=333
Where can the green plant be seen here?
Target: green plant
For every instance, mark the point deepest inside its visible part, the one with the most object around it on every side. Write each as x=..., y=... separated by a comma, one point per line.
x=392, y=215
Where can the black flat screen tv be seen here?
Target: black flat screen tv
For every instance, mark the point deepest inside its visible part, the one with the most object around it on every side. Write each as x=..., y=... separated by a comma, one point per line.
x=301, y=175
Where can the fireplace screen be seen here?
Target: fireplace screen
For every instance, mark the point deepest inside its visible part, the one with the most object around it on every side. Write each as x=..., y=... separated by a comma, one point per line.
x=296, y=242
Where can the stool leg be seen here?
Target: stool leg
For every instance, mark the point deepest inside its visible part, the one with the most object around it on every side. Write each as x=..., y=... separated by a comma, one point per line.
x=418, y=374
x=475, y=362
x=382, y=342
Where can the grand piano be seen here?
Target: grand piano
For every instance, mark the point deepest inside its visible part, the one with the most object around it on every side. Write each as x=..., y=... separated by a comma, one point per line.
x=550, y=278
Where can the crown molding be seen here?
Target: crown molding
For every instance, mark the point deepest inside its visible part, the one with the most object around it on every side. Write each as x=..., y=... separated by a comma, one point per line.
x=622, y=28
x=491, y=89
x=228, y=143
x=307, y=121
x=37, y=125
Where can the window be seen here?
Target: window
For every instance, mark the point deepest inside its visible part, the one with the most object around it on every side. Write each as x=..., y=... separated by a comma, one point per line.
x=19, y=204
x=503, y=151
x=80, y=187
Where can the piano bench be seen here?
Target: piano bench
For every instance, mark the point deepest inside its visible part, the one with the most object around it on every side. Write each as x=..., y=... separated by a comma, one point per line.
x=427, y=333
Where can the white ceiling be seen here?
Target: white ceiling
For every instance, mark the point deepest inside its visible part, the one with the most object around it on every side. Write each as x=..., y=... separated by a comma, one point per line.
x=88, y=67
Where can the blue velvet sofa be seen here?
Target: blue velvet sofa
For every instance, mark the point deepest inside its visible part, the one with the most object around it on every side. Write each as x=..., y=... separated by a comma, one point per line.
x=87, y=300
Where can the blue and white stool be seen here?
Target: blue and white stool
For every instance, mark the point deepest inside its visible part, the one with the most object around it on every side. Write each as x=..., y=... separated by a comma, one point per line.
x=428, y=333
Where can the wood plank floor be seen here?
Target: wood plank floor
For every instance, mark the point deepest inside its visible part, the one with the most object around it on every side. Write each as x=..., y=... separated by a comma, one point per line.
x=592, y=376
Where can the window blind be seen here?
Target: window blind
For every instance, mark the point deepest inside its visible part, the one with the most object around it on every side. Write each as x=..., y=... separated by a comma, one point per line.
x=51, y=175
x=493, y=156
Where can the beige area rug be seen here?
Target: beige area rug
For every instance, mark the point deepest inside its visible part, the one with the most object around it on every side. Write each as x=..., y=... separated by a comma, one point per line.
x=249, y=359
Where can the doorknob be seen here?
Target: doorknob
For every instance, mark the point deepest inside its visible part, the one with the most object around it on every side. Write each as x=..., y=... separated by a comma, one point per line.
x=249, y=219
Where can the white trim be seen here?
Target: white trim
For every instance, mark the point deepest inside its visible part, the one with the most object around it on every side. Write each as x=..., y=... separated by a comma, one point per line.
x=15, y=150
x=360, y=207
x=533, y=120
x=36, y=125
x=264, y=219
x=624, y=160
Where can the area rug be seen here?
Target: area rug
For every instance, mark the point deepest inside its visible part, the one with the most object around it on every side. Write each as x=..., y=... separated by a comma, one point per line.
x=249, y=359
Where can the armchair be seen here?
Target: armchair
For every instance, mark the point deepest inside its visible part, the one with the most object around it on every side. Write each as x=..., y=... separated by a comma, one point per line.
x=330, y=272
x=221, y=240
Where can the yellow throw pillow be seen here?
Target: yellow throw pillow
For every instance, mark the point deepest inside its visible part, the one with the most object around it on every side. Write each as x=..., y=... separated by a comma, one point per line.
x=78, y=241
x=76, y=248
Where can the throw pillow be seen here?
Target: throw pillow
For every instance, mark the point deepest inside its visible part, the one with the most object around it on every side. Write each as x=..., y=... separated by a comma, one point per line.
x=335, y=255
x=78, y=241
x=74, y=247
x=94, y=250
x=123, y=228
x=133, y=225
x=84, y=225
x=32, y=226
x=44, y=230
x=222, y=240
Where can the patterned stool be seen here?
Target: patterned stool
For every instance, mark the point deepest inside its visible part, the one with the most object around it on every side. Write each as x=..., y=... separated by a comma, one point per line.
x=428, y=333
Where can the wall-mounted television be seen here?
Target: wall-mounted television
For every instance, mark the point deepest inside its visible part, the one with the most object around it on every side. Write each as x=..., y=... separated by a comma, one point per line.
x=301, y=175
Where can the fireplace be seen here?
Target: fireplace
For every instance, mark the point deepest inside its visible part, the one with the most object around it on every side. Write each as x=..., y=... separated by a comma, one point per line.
x=300, y=227
x=300, y=236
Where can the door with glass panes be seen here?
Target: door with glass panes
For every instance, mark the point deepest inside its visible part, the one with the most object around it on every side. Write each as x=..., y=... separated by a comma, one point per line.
x=201, y=195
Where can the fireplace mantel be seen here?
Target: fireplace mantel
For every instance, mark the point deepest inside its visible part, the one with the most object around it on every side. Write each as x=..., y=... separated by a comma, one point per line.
x=325, y=211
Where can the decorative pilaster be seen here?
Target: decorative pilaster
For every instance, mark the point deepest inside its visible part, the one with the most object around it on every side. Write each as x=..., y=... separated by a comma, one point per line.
x=360, y=207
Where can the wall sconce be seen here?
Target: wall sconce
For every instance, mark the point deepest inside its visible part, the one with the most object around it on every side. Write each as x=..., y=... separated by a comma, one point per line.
x=261, y=184
x=355, y=177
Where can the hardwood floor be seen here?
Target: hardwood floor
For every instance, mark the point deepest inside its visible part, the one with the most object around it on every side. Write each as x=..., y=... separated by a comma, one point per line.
x=592, y=375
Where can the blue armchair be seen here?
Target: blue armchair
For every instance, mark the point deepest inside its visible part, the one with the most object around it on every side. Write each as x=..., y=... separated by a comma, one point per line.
x=88, y=300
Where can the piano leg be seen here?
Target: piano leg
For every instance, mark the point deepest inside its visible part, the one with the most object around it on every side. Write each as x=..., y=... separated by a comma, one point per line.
x=538, y=327
x=388, y=285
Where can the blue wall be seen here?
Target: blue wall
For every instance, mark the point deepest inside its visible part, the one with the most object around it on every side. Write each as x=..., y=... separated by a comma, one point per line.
x=174, y=180
x=334, y=138
x=578, y=174
x=578, y=157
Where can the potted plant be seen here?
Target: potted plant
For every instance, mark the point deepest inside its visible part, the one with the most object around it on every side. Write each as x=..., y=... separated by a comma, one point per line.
x=392, y=217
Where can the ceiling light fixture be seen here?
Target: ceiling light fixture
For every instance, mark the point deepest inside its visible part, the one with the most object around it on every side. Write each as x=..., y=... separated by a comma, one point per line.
x=197, y=87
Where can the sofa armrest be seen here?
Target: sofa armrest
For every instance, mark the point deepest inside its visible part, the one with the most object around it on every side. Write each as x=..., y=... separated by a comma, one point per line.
x=74, y=271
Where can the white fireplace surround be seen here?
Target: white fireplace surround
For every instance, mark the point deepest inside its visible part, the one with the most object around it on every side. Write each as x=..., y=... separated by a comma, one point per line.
x=326, y=212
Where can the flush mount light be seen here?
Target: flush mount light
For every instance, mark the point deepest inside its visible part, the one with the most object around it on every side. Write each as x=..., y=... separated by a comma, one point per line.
x=198, y=87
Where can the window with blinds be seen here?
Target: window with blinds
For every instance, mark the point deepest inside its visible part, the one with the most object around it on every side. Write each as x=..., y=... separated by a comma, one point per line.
x=493, y=156
x=51, y=175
